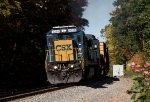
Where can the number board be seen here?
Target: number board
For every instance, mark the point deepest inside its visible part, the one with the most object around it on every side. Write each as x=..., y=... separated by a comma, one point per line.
x=63, y=30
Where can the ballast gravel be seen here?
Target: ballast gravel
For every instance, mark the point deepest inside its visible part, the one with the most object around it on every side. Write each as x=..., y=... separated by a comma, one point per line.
x=107, y=90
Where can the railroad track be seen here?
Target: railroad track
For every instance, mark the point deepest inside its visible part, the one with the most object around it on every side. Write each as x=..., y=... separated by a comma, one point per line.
x=33, y=92
x=45, y=89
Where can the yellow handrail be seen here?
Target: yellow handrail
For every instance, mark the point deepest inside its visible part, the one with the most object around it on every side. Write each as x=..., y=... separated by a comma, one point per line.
x=50, y=54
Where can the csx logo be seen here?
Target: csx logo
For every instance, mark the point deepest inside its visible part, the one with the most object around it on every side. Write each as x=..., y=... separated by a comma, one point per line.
x=64, y=47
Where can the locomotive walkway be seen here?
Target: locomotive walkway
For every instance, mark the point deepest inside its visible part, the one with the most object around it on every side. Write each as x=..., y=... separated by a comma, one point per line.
x=107, y=90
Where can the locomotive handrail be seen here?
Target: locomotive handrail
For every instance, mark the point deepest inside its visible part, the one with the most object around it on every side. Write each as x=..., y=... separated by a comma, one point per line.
x=52, y=50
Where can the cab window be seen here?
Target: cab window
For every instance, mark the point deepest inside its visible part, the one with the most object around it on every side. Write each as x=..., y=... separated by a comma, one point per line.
x=79, y=38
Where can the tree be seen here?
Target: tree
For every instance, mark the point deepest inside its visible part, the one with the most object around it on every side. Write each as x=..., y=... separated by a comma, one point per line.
x=23, y=28
x=130, y=28
x=127, y=37
x=6, y=7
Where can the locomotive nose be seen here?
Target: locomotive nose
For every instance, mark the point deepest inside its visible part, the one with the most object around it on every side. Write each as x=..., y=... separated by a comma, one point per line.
x=64, y=50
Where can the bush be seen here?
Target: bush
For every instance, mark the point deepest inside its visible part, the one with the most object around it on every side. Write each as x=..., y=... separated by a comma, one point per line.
x=140, y=64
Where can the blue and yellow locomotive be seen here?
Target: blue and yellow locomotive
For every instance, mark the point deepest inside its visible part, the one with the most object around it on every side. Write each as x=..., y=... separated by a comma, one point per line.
x=72, y=55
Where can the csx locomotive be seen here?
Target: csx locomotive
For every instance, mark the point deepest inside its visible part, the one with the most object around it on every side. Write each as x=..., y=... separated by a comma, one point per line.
x=72, y=55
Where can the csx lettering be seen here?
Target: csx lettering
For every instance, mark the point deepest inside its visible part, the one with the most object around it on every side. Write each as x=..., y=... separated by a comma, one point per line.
x=64, y=47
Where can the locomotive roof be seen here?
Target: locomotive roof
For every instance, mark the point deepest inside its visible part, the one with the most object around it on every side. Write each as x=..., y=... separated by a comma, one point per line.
x=90, y=36
x=63, y=29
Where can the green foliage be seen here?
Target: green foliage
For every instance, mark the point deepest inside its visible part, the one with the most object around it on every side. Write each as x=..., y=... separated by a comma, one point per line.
x=6, y=7
x=130, y=29
x=138, y=90
x=141, y=87
x=23, y=27
x=127, y=34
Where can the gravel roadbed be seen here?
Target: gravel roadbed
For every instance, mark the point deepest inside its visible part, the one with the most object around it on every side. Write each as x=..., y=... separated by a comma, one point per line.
x=108, y=90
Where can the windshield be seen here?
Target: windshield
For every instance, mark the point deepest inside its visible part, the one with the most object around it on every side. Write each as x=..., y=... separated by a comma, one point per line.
x=67, y=36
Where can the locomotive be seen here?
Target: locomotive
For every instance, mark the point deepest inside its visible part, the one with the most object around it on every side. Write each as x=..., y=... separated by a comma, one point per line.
x=72, y=55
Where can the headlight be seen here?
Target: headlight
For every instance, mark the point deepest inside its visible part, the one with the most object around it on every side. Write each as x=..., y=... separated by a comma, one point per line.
x=79, y=50
x=72, y=66
x=55, y=67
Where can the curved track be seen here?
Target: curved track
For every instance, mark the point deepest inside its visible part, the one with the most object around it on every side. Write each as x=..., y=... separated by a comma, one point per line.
x=36, y=91
x=44, y=89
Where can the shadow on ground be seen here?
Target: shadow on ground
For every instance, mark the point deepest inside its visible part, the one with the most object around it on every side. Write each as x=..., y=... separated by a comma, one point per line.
x=102, y=83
